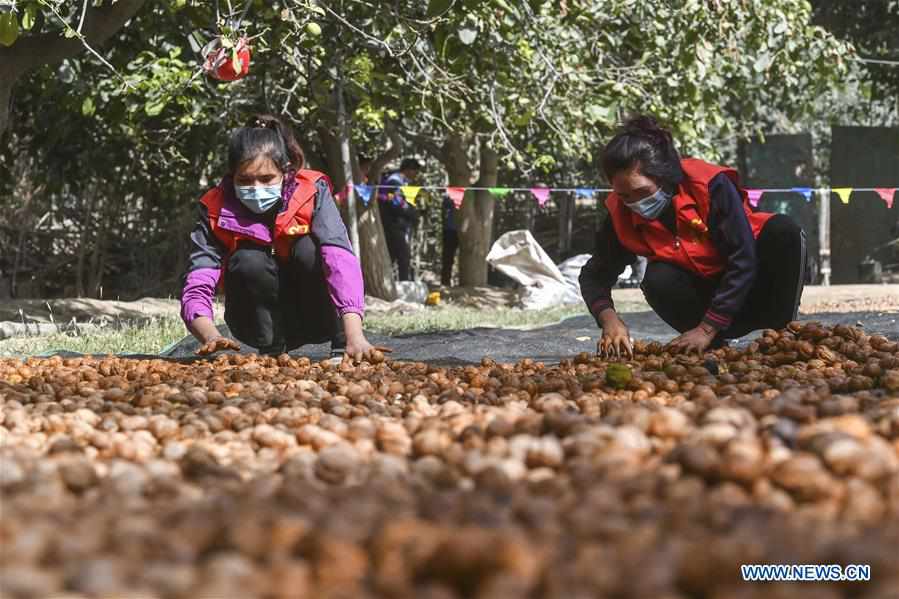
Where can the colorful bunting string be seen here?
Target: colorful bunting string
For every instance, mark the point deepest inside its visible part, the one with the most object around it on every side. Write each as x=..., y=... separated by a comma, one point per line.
x=410, y=192
x=843, y=193
x=456, y=194
x=805, y=191
x=754, y=196
x=365, y=192
x=887, y=194
x=542, y=194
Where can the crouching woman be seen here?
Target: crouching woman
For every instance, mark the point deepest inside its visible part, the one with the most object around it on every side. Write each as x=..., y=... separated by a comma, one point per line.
x=271, y=236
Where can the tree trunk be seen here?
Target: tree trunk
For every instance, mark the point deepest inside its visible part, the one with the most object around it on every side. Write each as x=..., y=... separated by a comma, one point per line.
x=566, y=222
x=377, y=269
x=343, y=132
x=476, y=230
x=6, y=83
x=98, y=255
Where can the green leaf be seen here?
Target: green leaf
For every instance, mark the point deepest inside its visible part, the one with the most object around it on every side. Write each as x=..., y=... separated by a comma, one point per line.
x=468, y=35
x=29, y=17
x=154, y=107
x=87, y=107
x=438, y=7
x=9, y=29
x=762, y=62
x=236, y=62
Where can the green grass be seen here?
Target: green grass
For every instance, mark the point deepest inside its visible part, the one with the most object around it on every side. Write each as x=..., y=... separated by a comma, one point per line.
x=153, y=336
x=149, y=338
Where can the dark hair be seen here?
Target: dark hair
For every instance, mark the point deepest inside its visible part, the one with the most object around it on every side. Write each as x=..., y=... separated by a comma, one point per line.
x=265, y=135
x=642, y=140
x=410, y=164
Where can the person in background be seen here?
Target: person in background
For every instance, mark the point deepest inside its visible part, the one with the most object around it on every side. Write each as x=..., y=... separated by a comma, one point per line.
x=270, y=234
x=717, y=269
x=450, y=242
x=364, y=169
x=399, y=216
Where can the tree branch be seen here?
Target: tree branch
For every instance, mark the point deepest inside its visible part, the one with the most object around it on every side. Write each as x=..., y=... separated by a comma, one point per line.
x=100, y=24
x=429, y=145
x=392, y=152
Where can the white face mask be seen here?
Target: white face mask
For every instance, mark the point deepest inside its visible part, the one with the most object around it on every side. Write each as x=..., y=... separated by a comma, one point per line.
x=651, y=206
x=259, y=198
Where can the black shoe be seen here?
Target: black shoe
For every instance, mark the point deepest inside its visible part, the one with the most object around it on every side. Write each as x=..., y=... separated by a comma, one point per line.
x=275, y=349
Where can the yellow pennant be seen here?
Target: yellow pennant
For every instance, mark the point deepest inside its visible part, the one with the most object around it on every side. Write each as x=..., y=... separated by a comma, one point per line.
x=844, y=193
x=410, y=192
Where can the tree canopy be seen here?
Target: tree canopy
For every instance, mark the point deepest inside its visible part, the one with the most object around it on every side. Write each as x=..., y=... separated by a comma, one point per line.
x=119, y=131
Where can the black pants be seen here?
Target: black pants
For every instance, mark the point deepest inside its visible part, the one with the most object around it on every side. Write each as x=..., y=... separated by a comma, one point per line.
x=398, y=248
x=278, y=305
x=450, y=246
x=681, y=298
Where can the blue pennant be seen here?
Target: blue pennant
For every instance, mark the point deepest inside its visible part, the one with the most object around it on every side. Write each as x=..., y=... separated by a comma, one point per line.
x=364, y=192
x=805, y=191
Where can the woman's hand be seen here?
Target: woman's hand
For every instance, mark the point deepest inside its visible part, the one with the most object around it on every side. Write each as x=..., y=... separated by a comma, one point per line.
x=697, y=339
x=616, y=339
x=217, y=343
x=357, y=346
x=358, y=349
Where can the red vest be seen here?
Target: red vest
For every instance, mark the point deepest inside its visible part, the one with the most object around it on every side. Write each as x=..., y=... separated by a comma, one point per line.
x=691, y=248
x=289, y=224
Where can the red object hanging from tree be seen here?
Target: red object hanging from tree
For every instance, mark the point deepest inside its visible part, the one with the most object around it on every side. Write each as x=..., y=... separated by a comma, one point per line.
x=227, y=61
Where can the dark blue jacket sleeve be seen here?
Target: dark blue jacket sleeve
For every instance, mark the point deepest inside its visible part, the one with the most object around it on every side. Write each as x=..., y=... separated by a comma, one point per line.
x=731, y=233
x=601, y=271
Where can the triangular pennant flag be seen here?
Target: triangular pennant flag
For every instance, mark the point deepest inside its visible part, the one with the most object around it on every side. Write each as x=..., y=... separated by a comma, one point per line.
x=500, y=192
x=456, y=194
x=364, y=193
x=410, y=192
x=584, y=192
x=805, y=191
x=342, y=194
x=843, y=193
x=754, y=196
x=887, y=194
x=541, y=193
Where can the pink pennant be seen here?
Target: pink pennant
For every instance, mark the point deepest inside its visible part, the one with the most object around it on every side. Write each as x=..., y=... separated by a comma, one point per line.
x=541, y=193
x=887, y=194
x=754, y=196
x=456, y=194
x=341, y=195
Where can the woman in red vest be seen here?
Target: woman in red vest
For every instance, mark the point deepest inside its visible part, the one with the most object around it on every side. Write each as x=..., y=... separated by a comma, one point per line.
x=717, y=270
x=271, y=236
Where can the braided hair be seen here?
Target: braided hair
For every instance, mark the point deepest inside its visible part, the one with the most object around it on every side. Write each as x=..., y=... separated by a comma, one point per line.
x=269, y=136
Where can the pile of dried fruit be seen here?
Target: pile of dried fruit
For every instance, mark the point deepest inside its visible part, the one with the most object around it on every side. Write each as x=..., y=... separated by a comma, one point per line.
x=246, y=476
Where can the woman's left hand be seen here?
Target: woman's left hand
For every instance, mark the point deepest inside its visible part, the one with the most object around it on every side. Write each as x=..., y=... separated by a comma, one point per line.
x=697, y=339
x=358, y=349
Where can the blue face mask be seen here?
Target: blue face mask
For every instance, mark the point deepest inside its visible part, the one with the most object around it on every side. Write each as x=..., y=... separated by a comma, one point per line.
x=651, y=207
x=259, y=198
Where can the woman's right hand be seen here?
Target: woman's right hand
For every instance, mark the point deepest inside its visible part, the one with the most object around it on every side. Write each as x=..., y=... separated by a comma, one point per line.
x=616, y=339
x=218, y=343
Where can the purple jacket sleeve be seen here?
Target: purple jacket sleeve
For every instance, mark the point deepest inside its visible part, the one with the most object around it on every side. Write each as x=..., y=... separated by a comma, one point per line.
x=343, y=273
x=203, y=271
